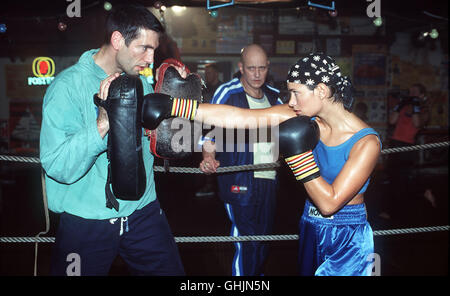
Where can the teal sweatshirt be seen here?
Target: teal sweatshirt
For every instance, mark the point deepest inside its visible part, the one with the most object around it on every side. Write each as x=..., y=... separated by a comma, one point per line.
x=72, y=152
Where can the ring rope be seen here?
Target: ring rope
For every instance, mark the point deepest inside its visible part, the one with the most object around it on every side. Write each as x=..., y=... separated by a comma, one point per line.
x=214, y=239
x=247, y=167
x=38, y=239
x=414, y=147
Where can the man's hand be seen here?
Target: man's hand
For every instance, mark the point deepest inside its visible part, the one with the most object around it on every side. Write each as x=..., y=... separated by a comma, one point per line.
x=209, y=165
x=102, y=118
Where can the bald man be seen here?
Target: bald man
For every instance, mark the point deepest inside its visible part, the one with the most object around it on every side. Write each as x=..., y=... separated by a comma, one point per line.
x=249, y=196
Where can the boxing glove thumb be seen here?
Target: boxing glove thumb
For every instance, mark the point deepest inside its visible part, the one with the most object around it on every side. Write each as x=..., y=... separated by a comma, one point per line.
x=297, y=137
x=157, y=107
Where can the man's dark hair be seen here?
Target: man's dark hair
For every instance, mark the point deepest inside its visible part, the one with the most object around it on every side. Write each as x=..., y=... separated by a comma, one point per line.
x=422, y=89
x=129, y=20
x=212, y=66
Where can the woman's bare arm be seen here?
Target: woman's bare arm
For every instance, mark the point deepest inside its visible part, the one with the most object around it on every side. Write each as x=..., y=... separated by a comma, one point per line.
x=329, y=198
x=227, y=116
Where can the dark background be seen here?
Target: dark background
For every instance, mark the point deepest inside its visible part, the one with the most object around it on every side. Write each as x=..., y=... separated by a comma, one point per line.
x=32, y=25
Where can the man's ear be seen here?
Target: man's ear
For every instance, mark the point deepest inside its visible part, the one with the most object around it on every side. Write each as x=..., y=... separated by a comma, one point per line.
x=117, y=40
x=241, y=67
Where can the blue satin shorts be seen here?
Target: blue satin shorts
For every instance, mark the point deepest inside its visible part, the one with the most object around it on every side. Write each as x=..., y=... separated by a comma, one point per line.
x=338, y=245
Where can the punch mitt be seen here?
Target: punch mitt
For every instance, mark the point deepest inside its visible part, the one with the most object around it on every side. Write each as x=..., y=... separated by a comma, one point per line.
x=168, y=116
x=126, y=171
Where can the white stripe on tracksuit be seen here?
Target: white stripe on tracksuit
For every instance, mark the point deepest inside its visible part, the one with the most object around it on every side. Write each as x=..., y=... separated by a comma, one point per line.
x=223, y=92
x=237, y=260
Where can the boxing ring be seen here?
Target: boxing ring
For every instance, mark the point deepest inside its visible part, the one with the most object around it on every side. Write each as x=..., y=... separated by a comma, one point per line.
x=41, y=238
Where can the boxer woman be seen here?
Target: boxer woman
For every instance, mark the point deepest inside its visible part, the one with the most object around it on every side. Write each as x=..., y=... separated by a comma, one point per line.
x=335, y=237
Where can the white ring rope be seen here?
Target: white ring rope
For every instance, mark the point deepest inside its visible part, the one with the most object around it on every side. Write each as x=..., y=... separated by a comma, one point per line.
x=240, y=167
x=207, y=239
x=215, y=239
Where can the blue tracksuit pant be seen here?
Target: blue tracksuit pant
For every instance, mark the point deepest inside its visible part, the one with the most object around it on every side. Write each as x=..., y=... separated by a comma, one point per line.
x=253, y=219
x=143, y=239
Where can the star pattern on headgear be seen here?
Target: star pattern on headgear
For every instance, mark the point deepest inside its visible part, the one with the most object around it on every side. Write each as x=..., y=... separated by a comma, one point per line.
x=315, y=68
x=310, y=82
x=294, y=73
x=320, y=68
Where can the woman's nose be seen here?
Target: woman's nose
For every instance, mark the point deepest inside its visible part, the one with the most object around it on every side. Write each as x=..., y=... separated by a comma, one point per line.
x=292, y=102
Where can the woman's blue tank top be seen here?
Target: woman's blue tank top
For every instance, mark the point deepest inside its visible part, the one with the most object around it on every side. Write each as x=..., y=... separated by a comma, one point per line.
x=331, y=159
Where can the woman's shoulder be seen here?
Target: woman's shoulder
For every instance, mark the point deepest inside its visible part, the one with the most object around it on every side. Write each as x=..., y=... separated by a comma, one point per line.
x=360, y=130
x=367, y=139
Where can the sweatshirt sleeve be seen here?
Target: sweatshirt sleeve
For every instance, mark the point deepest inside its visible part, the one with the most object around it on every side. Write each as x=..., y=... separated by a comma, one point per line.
x=69, y=141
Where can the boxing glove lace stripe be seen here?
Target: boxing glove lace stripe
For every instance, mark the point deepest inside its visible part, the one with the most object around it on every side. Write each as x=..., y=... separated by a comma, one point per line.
x=303, y=166
x=184, y=108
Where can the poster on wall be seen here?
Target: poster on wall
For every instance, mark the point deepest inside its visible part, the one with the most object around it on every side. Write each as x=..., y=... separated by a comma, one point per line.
x=293, y=24
x=370, y=106
x=438, y=104
x=285, y=47
x=4, y=136
x=24, y=127
x=235, y=32
x=377, y=113
x=226, y=31
x=369, y=65
x=194, y=35
x=405, y=73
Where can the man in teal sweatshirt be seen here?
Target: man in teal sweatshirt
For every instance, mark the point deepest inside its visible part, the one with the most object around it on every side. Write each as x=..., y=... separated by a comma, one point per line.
x=73, y=146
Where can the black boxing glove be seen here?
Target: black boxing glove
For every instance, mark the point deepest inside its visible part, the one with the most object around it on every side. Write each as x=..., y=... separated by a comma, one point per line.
x=415, y=102
x=403, y=102
x=126, y=171
x=297, y=137
x=157, y=107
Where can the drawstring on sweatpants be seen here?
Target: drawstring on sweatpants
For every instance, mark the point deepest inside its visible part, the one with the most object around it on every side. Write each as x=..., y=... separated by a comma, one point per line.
x=122, y=220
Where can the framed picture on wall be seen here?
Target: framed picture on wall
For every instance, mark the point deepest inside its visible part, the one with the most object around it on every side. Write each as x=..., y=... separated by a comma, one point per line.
x=285, y=47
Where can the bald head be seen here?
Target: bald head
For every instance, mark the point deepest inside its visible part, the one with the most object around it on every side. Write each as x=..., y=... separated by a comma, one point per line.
x=253, y=66
x=252, y=50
